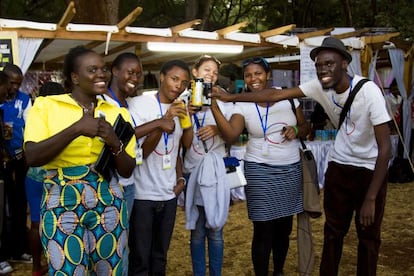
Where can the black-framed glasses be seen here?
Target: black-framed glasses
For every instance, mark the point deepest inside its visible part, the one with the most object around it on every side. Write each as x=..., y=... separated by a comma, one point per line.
x=256, y=60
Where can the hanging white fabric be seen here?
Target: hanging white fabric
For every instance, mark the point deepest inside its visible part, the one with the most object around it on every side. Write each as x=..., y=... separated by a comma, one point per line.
x=27, y=51
x=397, y=63
x=372, y=66
x=354, y=68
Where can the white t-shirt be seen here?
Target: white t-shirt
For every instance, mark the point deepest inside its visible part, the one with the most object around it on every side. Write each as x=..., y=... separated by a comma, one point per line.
x=279, y=150
x=355, y=143
x=152, y=182
x=196, y=152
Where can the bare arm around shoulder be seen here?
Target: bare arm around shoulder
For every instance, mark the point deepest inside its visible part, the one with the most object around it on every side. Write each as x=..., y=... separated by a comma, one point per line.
x=382, y=136
x=266, y=95
x=230, y=130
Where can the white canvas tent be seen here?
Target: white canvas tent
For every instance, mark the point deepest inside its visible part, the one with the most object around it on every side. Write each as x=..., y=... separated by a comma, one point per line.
x=42, y=46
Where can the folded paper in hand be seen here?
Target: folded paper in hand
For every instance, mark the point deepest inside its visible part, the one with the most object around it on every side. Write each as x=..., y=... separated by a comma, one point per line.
x=234, y=174
x=106, y=162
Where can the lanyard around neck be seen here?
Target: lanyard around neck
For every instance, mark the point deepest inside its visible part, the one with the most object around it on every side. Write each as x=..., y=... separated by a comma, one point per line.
x=264, y=124
x=196, y=121
x=165, y=134
x=115, y=98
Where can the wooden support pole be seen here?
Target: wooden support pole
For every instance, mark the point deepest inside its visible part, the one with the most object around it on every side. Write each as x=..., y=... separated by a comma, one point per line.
x=67, y=16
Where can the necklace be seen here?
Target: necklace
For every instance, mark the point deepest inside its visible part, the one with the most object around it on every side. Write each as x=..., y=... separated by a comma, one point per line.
x=86, y=110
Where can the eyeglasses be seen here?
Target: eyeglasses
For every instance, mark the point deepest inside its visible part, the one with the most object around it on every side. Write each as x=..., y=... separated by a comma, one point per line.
x=256, y=60
x=204, y=58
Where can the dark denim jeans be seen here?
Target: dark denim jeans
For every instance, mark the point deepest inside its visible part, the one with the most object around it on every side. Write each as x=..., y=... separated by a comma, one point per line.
x=151, y=228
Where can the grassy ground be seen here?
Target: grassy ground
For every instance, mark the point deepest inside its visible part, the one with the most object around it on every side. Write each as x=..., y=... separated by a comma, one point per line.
x=396, y=255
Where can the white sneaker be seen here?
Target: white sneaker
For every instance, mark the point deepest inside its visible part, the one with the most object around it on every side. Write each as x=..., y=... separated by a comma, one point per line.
x=5, y=267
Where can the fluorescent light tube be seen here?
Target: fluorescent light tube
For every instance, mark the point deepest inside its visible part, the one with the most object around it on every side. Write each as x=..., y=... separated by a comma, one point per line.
x=194, y=47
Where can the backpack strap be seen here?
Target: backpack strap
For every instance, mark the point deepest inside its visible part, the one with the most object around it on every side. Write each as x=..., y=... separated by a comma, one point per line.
x=349, y=101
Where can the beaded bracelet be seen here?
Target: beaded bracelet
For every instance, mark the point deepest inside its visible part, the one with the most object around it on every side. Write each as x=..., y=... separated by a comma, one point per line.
x=121, y=148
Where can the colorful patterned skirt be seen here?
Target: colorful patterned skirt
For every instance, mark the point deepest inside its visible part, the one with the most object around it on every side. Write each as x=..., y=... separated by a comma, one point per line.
x=84, y=223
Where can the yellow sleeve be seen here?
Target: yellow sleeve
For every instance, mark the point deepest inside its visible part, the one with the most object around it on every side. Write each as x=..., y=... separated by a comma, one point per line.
x=36, y=127
x=130, y=148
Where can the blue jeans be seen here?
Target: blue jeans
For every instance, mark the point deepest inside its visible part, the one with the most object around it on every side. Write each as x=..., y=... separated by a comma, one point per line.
x=198, y=248
x=129, y=194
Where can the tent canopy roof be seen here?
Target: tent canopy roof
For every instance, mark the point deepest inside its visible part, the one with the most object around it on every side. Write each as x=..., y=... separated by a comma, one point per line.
x=111, y=40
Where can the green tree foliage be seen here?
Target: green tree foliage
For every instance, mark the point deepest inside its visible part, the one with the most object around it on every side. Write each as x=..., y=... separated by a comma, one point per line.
x=35, y=10
x=261, y=14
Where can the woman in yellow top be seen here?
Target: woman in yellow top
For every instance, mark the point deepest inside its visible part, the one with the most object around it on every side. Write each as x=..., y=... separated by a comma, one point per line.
x=83, y=216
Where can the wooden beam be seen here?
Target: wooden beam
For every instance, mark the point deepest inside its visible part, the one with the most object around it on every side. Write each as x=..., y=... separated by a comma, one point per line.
x=406, y=46
x=93, y=44
x=352, y=34
x=67, y=16
x=277, y=31
x=119, y=48
x=314, y=33
x=178, y=28
x=126, y=37
x=232, y=28
x=379, y=38
x=129, y=18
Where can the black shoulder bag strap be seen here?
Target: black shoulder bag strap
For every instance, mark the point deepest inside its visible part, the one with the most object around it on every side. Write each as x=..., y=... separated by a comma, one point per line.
x=349, y=101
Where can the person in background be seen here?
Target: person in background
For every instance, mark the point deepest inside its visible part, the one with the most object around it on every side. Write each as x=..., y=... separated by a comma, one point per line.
x=5, y=266
x=83, y=215
x=158, y=180
x=356, y=178
x=271, y=165
x=394, y=99
x=34, y=190
x=319, y=121
x=126, y=75
x=207, y=139
x=15, y=110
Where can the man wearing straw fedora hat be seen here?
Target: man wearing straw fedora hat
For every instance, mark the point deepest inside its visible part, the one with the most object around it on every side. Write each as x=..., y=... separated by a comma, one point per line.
x=356, y=178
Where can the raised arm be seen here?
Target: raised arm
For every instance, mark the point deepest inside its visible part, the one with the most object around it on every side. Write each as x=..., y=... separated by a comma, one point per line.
x=230, y=130
x=266, y=95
